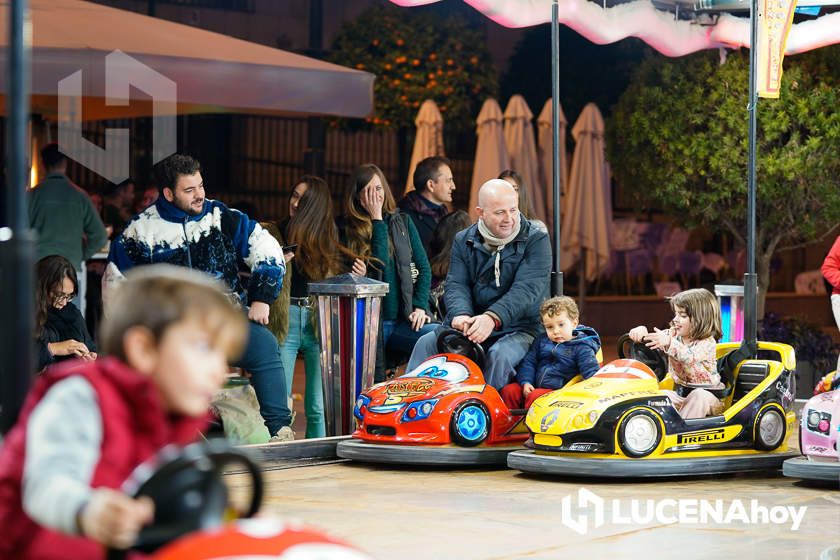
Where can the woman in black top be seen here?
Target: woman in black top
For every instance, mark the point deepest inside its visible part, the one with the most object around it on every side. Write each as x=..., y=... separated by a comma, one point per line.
x=60, y=329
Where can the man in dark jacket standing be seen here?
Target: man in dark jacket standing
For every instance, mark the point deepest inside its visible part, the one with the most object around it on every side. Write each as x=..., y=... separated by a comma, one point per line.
x=65, y=219
x=433, y=186
x=498, y=277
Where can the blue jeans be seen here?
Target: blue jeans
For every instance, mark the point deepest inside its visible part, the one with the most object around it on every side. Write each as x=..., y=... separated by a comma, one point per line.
x=400, y=338
x=262, y=360
x=502, y=357
x=302, y=338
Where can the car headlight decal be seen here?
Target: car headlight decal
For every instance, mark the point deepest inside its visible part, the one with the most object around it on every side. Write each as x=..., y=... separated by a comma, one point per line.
x=419, y=410
x=818, y=421
x=549, y=420
x=361, y=406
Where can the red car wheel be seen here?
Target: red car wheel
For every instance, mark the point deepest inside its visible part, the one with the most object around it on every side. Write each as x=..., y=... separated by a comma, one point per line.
x=470, y=424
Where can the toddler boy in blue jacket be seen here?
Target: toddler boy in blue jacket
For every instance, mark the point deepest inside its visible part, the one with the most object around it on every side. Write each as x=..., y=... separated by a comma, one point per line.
x=564, y=351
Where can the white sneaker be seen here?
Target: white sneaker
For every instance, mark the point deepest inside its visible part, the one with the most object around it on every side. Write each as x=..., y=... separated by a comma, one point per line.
x=283, y=434
x=292, y=408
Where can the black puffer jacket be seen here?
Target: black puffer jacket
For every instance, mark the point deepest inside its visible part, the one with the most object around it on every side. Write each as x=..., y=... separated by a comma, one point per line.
x=62, y=324
x=525, y=268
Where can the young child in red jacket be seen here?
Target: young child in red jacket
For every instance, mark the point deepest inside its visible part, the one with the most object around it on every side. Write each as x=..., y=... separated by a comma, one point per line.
x=831, y=272
x=85, y=426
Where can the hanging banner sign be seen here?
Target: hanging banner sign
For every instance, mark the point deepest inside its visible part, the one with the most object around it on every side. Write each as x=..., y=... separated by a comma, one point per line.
x=774, y=21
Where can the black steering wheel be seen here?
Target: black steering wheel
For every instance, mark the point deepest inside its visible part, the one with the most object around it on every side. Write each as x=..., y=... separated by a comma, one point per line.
x=654, y=359
x=186, y=487
x=450, y=341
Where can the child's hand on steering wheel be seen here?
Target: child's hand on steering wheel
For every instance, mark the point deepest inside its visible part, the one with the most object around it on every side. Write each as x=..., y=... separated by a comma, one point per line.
x=637, y=334
x=658, y=340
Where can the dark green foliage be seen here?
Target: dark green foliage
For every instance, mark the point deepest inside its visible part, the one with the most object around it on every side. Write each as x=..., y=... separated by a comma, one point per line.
x=810, y=343
x=678, y=140
x=418, y=55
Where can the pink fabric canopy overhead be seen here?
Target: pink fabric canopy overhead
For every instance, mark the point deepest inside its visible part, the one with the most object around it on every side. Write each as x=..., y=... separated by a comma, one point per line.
x=544, y=147
x=519, y=138
x=585, y=230
x=429, y=139
x=659, y=29
x=491, y=156
x=212, y=72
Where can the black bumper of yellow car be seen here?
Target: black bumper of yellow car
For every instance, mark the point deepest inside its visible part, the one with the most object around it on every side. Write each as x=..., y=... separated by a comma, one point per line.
x=581, y=465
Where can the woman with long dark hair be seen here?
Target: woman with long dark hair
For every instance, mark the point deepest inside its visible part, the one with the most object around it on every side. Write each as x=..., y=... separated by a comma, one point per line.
x=440, y=247
x=518, y=183
x=318, y=255
x=375, y=229
x=60, y=329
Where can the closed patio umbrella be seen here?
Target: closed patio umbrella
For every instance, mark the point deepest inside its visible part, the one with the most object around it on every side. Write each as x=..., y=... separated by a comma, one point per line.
x=429, y=139
x=585, y=232
x=519, y=138
x=491, y=155
x=544, y=147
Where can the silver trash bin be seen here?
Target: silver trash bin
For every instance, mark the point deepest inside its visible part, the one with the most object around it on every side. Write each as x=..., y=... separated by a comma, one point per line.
x=348, y=319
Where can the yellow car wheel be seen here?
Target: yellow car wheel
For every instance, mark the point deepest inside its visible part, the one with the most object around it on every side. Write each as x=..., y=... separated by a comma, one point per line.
x=769, y=430
x=639, y=433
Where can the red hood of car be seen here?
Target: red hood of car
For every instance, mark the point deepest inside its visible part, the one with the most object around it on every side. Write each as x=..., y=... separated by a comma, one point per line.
x=437, y=376
x=406, y=390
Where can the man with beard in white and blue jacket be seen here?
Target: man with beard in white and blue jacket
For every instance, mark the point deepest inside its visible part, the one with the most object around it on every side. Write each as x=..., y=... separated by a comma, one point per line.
x=186, y=229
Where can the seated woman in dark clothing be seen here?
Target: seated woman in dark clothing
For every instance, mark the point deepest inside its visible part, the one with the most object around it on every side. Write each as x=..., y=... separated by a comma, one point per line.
x=60, y=330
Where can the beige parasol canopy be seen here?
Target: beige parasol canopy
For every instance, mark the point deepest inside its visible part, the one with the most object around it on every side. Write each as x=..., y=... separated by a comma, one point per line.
x=212, y=72
x=429, y=139
x=519, y=137
x=546, y=159
x=585, y=230
x=491, y=155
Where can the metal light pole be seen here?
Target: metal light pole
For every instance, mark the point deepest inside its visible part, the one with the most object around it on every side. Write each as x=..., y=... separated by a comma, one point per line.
x=16, y=241
x=556, y=273
x=750, y=278
x=313, y=159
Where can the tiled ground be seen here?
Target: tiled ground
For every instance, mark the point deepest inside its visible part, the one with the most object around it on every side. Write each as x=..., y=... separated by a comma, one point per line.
x=500, y=514
x=422, y=513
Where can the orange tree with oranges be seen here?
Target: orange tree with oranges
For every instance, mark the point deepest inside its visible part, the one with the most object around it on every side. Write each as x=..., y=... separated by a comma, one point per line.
x=418, y=55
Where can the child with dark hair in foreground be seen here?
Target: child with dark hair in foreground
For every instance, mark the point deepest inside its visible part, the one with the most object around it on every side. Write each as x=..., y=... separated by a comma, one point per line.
x=86, y=425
